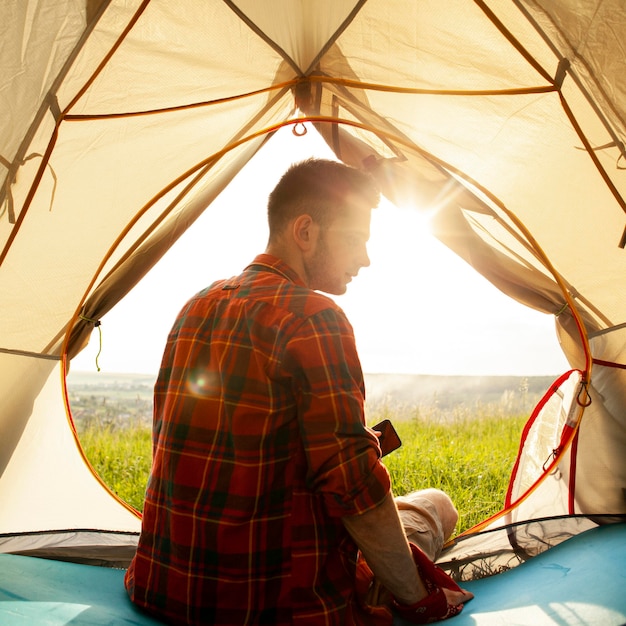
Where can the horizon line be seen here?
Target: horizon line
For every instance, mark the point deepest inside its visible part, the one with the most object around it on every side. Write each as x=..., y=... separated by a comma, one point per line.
x=477, y=375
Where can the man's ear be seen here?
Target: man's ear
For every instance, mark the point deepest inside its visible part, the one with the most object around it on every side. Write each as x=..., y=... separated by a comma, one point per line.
x=305, y=232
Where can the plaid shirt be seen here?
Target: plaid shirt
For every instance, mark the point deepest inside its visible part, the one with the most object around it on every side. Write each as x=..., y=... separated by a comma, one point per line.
x=259, y=449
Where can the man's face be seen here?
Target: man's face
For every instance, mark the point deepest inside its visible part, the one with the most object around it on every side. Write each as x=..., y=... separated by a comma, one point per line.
x=340, y=251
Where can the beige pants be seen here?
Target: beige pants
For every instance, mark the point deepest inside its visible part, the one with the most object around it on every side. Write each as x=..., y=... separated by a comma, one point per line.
x=429, y=518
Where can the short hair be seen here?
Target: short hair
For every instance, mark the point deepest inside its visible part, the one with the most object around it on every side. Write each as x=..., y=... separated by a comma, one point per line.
x=319, y=188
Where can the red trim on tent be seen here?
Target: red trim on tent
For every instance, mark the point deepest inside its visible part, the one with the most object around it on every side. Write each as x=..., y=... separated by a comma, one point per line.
x=529, y=424
x=569, y=435
x=572, y=475
x=609, y=364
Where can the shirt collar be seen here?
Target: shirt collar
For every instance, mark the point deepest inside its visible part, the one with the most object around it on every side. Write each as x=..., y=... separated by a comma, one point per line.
x=271, y=263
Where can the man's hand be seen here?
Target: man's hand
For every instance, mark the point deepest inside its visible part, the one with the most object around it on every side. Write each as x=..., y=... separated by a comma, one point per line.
x=458, y=597
x=438, y=605
x=445, y=598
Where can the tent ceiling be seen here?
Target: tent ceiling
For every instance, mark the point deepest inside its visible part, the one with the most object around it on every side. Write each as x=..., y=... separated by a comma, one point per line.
x=150, y=97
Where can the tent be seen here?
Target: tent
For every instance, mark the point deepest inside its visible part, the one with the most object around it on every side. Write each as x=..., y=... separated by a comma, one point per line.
x=122, y=120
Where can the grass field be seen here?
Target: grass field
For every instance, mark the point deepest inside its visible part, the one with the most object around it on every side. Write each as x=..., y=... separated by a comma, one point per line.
x=466, y=452
x=469, y=456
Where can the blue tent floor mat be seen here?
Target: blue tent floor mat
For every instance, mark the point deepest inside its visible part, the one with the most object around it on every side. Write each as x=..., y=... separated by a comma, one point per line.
x=582, y=581
x=42, y=592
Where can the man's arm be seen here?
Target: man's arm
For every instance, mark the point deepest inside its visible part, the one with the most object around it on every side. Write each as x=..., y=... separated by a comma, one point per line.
x=380, y=537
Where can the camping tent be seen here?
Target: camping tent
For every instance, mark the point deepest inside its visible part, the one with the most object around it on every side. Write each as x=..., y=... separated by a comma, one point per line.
x=123, y=119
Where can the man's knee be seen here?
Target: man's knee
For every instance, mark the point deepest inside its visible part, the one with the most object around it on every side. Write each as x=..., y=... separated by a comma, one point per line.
x=446, y=510
x=429, y=518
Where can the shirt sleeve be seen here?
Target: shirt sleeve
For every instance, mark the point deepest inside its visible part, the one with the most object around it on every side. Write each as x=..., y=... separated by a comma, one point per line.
x=343, y=457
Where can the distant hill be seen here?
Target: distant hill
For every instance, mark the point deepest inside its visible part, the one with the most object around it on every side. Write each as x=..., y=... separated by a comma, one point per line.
x=450, y=391
x=111, y=383
x=425, y=390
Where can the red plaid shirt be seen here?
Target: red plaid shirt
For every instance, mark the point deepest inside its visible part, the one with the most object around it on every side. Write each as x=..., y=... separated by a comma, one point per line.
x=259, y=449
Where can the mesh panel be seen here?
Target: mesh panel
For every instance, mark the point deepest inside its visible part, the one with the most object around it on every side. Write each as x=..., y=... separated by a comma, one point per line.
x=494, y=551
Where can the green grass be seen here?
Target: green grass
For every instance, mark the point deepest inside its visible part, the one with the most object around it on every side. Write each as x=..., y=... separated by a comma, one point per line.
x=121, y=457
x=468, y=453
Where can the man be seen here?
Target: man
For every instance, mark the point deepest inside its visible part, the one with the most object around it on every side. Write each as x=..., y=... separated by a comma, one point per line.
x=264, y=478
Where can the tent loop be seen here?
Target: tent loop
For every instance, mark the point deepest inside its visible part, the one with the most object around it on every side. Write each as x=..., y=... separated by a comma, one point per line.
x=562, y=310
x=553, y=455
x=620, y=163
x=299, y=129
x=611, y=144
x=10, y=179
x=8, y=196
x=586, y=401
x=97, y=324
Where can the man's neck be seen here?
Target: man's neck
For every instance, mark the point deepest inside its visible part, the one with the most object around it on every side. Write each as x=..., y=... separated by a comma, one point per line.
x=291, y=257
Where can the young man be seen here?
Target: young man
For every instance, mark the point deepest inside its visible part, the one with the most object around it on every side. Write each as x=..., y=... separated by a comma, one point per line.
x=265, y=479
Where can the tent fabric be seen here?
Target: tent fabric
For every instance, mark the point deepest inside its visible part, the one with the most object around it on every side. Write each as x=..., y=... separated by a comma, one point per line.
x=123, y=119
x=113, y=549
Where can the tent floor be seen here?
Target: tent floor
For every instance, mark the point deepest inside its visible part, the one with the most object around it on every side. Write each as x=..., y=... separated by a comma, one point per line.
x=579, y=582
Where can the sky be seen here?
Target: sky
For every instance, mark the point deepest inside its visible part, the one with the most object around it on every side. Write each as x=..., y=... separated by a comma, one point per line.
x=417, y=309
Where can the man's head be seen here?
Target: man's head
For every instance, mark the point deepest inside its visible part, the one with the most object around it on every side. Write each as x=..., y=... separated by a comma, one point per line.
x=319, y=219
